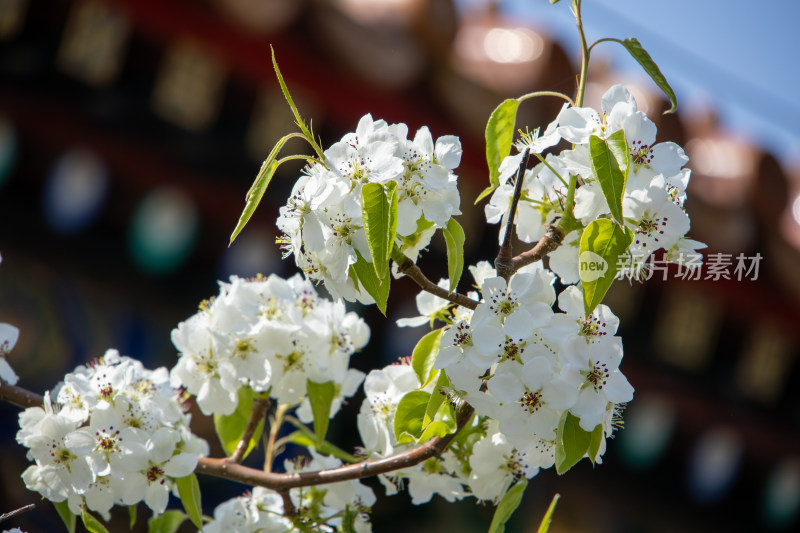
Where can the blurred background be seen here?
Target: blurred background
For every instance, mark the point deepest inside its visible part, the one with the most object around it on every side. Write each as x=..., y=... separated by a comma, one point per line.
x=130, y=131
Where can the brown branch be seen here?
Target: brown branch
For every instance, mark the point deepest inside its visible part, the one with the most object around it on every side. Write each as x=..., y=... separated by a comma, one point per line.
x=15, y=512
x=552, y=239
x=288, y=506
x=503, y=261
x=19, y=396
x=407, y=267
x=259, y=410
x=398, y=461
x=224, y=468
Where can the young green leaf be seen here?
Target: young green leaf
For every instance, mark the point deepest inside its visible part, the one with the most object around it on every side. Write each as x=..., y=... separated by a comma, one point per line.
x=132, y=515
x=409, y=416
x=499, y=137
x=602, y=243
x=92, y=524
x=594, y=445
x=365, y=275
x=610, y=166
x=508, y=504
x=167, y=522
x=454, y=238
x=635, y=49
x=259, y=186
x=572, y=442
x=424, y=355
x=230, y=428
x=437, y=428
x=321, y=395
x=189, y=493
x=303, y=128
x=437, y=399
x=379, y=211
x=548, y=516
x=67, y=516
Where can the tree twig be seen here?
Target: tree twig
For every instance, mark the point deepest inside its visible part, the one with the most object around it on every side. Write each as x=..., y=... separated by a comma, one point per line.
x=552, y=239
x=278, y=482
x=19, y=396
x=406, y=266
x=259, y=410
x=503, y=261
x=15, y=512
x=275, y=425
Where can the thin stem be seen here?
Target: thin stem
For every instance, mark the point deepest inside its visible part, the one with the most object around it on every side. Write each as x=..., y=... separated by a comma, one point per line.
x=275, y=426
x=15, y=512
x=548, y=165
x=398, y=461
x=259, y=410
x=406, y=266
x=568, y=221
x=552, y=239
x=502, y=262
x=576, y=5
x=545, y=93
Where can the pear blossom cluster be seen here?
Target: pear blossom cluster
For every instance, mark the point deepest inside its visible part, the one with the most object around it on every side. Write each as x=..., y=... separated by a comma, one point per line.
x=521, y=363
x=484, y=467
x=331, y=507
x=384, y=388
x=113, y=432
x=322, y=220
x=272, y=335
x=523, y=366
x=652, y=205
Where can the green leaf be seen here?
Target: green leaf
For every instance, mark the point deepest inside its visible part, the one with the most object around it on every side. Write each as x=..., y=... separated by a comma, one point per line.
x=321, y=395
x=260, y=184
x=189, y=493
x=597, y=440
x=306, y=132
x=602, y=242
x=454, y=238
x=499, y=137
x=132, y=515
x=548, y=516
x=633, y=47
x=610, y=167
x=507, y=506
x=437, y=399
x=366, y=276
x=424, y=355
x=230, y=428
x=409, y=416
x=67, y=516
x=436, y=428
x=572, y=442
x=379, y=212
x=92, y=524
x=168, y=522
